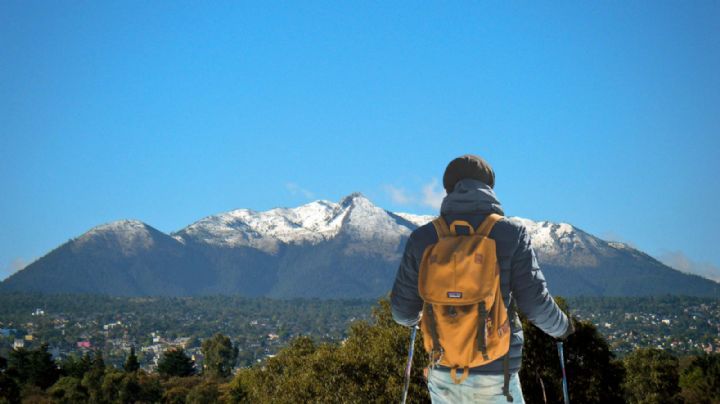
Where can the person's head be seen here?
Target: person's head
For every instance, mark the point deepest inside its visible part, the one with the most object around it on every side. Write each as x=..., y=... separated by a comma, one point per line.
x=468, y=166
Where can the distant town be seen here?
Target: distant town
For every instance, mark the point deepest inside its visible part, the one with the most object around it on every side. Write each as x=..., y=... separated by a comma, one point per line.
x=682, y=325
x=77, y=324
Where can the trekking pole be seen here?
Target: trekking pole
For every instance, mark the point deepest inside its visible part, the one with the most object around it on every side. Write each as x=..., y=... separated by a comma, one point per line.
x=566, y=397
x=408, y=367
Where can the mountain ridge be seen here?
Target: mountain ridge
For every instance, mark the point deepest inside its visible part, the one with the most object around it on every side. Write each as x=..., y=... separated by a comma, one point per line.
x=320, y=249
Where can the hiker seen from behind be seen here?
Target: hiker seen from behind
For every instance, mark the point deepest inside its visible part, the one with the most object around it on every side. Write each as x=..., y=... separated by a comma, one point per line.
x=462, y=278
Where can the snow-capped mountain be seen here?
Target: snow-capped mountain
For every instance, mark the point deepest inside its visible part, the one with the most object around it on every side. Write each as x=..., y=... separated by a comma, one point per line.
x=322, y=249
x=126, y=236
x=565, y=245
x=355, y=217
x=311, y=223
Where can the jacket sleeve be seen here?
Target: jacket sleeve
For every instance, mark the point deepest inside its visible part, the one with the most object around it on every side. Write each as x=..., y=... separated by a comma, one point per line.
x=405, y=301
x=531, y=293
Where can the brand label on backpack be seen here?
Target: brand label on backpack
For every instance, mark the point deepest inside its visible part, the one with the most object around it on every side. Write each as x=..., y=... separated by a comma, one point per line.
x=454, y=295
x=479, y=259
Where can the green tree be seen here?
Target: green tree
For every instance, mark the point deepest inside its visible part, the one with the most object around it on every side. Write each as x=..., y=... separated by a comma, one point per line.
x=150, y=387
x=131, y=391
x=367, y=367
x=93, y=378
x=219, y=356
x=75, y=366
x=175, y=395
x=700, y=382
x=594, y=376
x=35, y=367
x=176, y=389
x=9, y=389
x=134, y=387
x=111, y=386
x=174, y=362
x=132, y=364
x=68, y=390
x=32, y=394
x=206, y=392
x=98, y=362
x=652, y=377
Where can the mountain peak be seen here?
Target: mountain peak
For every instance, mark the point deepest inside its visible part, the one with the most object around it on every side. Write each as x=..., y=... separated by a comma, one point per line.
x=126, y=233
x=354, y=198
x=119, y=226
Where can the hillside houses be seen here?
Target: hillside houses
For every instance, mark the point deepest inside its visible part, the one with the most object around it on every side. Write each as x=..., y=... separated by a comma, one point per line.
x=261, y=327
x=681, y=329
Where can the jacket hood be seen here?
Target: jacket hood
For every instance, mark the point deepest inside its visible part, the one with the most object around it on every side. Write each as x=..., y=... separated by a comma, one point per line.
x=471, y=196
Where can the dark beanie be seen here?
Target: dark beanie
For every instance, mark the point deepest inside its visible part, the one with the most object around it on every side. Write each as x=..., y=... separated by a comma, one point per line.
x=468, y=166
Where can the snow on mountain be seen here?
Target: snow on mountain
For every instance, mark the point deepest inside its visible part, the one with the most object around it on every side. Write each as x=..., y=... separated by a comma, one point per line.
x=355, y=215
x=619, y=246
x=313, y=222
x=128, y=235
x=417, y=220
x=562, y=243
x=370, y=230
x=557, y=243
x=366, y=221
x=550, y=237
x=372, y=227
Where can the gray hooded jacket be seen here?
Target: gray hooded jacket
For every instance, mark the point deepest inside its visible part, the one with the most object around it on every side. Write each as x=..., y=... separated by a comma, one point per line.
x=520, y=275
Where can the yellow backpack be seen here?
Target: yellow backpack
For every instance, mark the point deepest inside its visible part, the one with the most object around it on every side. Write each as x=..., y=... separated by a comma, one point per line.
x=464, y=322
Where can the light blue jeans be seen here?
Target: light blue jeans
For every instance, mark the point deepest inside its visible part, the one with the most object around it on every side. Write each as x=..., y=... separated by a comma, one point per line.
x=477, y=388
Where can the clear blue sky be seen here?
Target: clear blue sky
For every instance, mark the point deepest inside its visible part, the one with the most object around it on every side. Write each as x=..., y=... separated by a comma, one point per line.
x=605, y=115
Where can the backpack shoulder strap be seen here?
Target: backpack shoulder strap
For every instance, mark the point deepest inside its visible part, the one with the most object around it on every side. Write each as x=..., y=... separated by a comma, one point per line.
x=441, y=227
x=487, y=224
